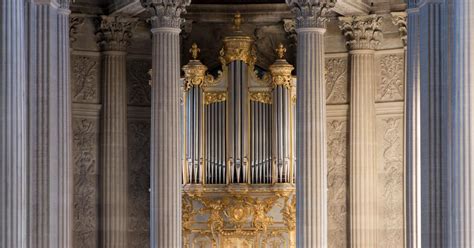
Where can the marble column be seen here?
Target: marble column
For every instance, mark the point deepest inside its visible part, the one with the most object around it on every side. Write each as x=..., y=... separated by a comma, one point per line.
x=461, y=164
x=114, y=38
x=13, y=201
x=412, y=130
x=49, y=112
x=433, y=61
x=165, y=217
x=363, y=37
x=311, y=159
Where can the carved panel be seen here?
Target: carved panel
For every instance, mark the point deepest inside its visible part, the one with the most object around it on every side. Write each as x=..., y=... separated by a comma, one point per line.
x=139, y=89
x=337, y=87
x=337, y=183
x=85, y=79
x=138, y=183
x=86, y=222
x=391, y=180
x=391, y=84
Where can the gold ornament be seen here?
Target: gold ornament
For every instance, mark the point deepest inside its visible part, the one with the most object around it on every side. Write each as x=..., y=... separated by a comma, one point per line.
x=281, y=69
x=194, y=71
x=212, y=97
x=263, y=97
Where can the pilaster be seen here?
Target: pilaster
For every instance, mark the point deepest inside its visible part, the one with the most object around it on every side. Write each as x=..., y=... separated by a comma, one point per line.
x=114, y=37
x=363, y=36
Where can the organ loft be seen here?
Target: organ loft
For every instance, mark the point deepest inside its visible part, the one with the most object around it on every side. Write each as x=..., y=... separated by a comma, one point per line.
x=236, y=124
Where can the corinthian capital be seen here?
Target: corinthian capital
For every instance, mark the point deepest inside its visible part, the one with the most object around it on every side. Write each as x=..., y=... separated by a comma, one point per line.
x=362, y=32
x=400, y=19
x=114, y=32
x=166, y=13
x=311, y=13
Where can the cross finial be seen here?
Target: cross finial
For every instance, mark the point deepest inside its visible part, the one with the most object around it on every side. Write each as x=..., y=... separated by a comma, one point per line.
x=237, y=21
x=194, y=50
x=280, y=51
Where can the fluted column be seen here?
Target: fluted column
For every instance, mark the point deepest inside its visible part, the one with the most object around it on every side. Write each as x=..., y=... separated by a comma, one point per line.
x=12, y=125
x=433, y=61
x=461, y=164
x=412, y=129
x=49, y=113
x=115, y=33
x=363, y=36
x=311, y=168
x=166, y=145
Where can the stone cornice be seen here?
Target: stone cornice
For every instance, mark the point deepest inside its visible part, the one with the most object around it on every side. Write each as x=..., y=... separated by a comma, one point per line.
x=311, y=13
x=400, y=19
x=166, y=13
x=362, y=32
x=114, y=32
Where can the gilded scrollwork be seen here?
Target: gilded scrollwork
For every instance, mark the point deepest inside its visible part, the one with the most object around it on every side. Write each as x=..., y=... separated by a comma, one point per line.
x=263, y=97
x=213, y=97
x=289, y=212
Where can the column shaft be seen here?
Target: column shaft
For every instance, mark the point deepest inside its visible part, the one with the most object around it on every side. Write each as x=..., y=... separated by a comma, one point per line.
x=311, y=173
x=165, y=142
x=49, y=112
x=412, y=112
x=114, y=150
x=461, y=195
x=13, y=201
x=362, y=150
x=433, y=121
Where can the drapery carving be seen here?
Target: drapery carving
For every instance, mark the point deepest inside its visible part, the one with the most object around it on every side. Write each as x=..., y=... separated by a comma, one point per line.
x=139, y=183
x=85, y=132
x=337, y=183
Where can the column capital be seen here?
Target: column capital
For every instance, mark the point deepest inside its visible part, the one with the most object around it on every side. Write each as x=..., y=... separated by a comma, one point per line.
x=362, y=32
x=166, y=13
x=114, y=32
x=311, y=13
x=400, y=19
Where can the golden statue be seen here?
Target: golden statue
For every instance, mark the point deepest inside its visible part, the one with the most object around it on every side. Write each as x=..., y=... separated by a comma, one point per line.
x=194, y=50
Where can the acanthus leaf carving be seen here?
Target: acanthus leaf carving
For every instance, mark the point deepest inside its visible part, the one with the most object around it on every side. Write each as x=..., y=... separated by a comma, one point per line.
x=166, y=13
x=362, y=32
x=311, y=13
x=138, y=82
x=336, y=81
x=400, y=19
x=84, y=79
x=114, y=32
x=75, y=23
x=391, y=86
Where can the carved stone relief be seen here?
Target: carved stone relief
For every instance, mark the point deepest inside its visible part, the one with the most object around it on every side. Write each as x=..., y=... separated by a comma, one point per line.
x=85, y=79
x=391, y=179
x=139, y=183
x=337, y=183
x=391, y=84
x=139, y=89
x=86, y=221
x=337, y=87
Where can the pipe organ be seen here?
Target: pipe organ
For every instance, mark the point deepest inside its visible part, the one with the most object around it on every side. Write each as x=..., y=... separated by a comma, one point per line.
x=239, y=148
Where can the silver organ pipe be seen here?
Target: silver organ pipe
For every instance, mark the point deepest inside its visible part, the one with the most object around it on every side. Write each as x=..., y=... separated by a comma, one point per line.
x=239, y=128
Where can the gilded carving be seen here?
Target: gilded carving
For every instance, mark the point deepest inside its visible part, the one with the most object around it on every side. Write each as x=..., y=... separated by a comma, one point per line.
x=212, y=97
x=263, y=97
x=391, y=86
x=138, y=183
x=336, y=81
x=337, y=183
x=362, y=32
x=281, y=69
x=85, y=84
x=393, y=180
x=138, y=77
x=85, y=199
x=289, y=212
